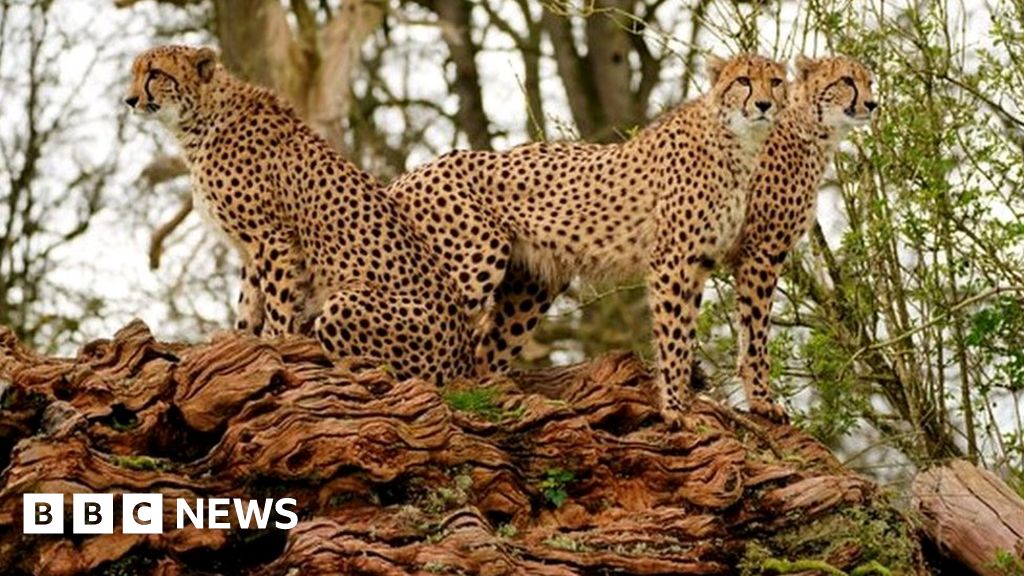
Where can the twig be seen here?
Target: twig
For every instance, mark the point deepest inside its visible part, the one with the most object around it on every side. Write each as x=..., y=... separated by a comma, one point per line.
x=156, y=242
x=936, y=320
x=740, y=420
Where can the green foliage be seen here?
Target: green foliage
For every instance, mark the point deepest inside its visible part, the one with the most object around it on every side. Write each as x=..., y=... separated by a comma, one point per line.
x=1016, y=481
x=555, y=483
x=1007, y=564
x=837, y=405
x=481, y=401
x=995, y=335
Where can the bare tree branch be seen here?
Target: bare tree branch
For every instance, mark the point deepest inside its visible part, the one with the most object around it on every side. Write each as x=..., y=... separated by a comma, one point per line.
x=156, y=241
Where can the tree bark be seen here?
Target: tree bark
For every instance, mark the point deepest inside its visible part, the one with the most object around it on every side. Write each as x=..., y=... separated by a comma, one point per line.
x=566, y=471
x=456, y=28
x=972, y=516
x=575, y=74
x=609, y=44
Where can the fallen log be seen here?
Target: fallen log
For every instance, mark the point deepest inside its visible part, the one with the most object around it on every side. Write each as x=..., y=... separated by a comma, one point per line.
x=565, y=471
x=972, y=516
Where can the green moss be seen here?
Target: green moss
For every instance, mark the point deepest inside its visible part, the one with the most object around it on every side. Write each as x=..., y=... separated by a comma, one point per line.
x=881, y=534
x=141, y=463
x=481, y=401
x=563, y=542
x=447, y=497
x=507, y=531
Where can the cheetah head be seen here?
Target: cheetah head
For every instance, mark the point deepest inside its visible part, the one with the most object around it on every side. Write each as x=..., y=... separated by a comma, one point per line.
x=168, y=81
x=839, y=87
x=749, y=90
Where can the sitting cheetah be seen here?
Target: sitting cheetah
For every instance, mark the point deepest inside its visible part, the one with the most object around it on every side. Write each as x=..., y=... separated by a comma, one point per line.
x=514, y=227
x=323, y=247
x=830, y=96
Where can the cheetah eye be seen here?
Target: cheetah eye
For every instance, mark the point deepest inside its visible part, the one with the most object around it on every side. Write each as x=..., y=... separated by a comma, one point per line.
x=743, y=81
x=776, y=82
x=848, y=80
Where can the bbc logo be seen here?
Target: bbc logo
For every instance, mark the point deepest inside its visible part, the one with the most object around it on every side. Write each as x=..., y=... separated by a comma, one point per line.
x=144, y=513
x=93, y=514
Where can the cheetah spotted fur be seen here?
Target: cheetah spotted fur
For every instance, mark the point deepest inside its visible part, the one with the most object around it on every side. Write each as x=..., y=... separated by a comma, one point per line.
x=323, y=248
x=515, y=227
x=830, y=96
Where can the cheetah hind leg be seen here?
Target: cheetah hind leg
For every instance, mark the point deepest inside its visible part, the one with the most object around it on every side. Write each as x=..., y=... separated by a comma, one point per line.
x=414, y=336
x=519, y=302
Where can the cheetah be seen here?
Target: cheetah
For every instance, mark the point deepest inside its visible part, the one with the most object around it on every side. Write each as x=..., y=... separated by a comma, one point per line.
x=830, y=97
x=324, y=250
x=515, y=227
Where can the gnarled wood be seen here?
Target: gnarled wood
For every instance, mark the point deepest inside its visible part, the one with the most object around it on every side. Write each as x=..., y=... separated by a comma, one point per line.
x=557, y=472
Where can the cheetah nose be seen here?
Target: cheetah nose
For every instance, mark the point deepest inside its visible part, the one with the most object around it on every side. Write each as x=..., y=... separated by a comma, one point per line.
x=763, y=105
x=131, y=101
x=871, y=105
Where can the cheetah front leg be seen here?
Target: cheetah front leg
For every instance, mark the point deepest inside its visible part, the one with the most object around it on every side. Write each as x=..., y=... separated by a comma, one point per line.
x=519, y=302
x=755, y=279
x=284, y=283
x=251, y=302
x=676, y=290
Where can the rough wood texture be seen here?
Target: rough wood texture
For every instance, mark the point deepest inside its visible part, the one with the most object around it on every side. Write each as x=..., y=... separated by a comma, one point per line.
x=972, y=516
x=559, y=472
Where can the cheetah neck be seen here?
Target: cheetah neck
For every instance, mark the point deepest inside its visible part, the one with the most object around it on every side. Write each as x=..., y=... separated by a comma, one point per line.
x=805, y=119
x=741, y=145
x=225, y=102
x=700, y=116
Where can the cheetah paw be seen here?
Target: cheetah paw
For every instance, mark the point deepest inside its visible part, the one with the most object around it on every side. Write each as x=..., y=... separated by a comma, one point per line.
x=769, y=410
x=673, y=418
x=677, y=414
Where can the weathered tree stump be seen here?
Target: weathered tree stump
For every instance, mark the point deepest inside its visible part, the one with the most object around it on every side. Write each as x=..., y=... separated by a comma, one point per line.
x=973, y=516
x=558, y=472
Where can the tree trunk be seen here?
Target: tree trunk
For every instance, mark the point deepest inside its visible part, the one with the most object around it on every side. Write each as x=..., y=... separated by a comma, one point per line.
x=610, y=42
x=973, y=516
x=456, y=29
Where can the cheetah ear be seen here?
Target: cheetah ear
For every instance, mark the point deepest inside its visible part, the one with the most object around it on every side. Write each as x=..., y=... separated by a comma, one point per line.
x=714, y=66
x=205, y=61
x=805, y=67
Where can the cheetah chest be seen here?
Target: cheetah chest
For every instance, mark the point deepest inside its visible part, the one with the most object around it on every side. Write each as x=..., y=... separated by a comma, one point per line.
x=730, y=209
x=202, y=205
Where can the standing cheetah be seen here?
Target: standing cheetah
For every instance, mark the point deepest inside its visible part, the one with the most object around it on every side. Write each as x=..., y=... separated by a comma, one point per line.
x=830, y=96
x=515, y=227
x=323, y=247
